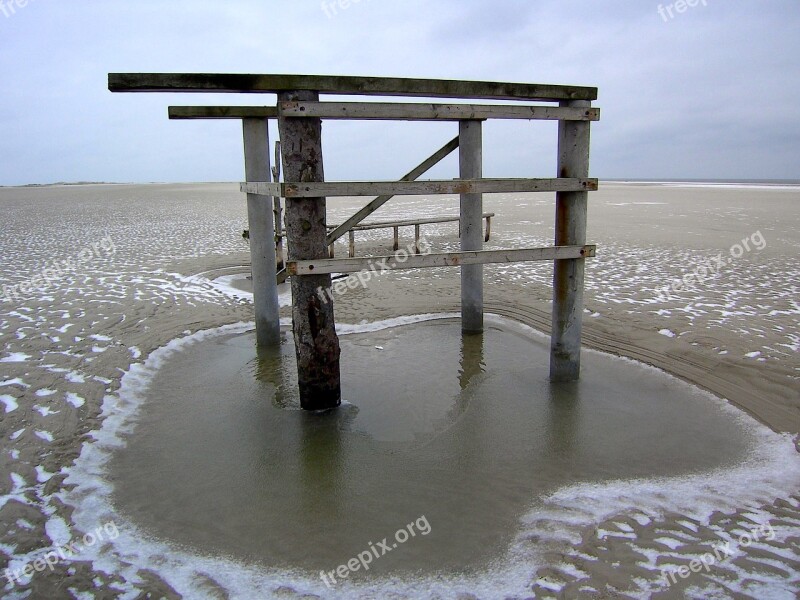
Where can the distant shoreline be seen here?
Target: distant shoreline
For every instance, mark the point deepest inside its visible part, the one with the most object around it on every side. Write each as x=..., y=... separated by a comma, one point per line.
x=62, y=183
x=87, y=183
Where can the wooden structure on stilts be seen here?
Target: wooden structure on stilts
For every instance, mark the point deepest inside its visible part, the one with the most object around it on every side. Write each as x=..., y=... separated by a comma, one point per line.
x=299, y=113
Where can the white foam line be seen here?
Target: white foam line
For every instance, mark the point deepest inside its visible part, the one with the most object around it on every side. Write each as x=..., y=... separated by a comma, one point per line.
x=224, y=284
x=773, y=470
x=346, y=329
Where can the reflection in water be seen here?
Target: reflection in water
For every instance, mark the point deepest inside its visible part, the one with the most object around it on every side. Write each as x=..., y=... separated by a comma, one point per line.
x=272, y=366
x=563, y=415
x=471, y=364
x=317, y=435
x=322, y=458
x=471, y=358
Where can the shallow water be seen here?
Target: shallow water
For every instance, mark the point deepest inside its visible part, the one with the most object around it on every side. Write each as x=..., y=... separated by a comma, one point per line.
x=465, y=431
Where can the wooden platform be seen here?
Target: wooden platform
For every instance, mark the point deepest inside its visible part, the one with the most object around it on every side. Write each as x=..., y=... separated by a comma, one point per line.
x=299, y=113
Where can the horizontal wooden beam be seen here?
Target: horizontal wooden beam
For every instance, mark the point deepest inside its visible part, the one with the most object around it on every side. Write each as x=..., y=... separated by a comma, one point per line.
x=408, y=222
x=223, y=112
x=326, y=189
x=344, y=85
x=422, y=261
x=388, y=111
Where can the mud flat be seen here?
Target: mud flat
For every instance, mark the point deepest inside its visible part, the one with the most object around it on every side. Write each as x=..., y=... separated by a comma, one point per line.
x=68, y=345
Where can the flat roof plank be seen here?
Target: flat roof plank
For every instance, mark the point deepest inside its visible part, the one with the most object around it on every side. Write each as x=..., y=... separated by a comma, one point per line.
x=344, y=85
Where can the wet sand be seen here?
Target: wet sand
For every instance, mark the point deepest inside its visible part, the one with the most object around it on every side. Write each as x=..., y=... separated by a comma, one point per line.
x=66, y=348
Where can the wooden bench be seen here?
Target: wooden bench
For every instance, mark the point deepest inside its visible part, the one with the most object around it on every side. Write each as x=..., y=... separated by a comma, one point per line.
x=396, y=225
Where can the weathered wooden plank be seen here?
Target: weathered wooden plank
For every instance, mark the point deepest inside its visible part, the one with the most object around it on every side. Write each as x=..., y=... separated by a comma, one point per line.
x=471, y=226
x=375, y=204
x=315, y=339
x=223, y=112
x=570, y=229
x=403, y=260
x=385, y=111
x=344, y=85
x=418, y=188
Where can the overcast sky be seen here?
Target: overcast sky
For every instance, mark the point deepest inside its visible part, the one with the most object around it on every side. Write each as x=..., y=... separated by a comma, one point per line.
x=712, y=92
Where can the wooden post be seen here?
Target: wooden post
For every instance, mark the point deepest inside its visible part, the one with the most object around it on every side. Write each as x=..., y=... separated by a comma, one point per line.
x=416, y=238
x=471, y=167
x=262, y=234
x=396, y=245
x=571, y=208
x=352, y=248
x=315, y=339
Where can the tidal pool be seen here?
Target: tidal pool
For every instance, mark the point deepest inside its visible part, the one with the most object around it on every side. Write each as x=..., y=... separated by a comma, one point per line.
x=465, y=431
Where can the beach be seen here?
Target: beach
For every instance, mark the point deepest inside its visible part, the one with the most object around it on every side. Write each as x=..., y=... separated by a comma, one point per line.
x=698, y=281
